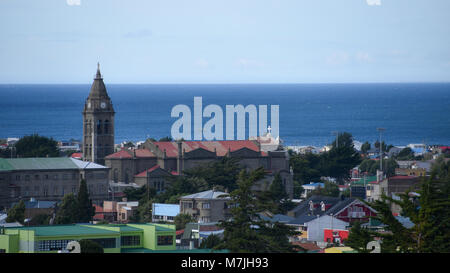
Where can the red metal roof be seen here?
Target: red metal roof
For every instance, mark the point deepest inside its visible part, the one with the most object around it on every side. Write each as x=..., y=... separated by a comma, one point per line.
x=77, y=155
x=178, y=232
x=144, y=173
x=120, y=154
x=221, y=147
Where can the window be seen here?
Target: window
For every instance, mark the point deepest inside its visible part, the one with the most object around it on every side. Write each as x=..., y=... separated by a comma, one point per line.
x=17, y=177
x=205, y=206
x=36, y=177
x=205, y=219
x=130, y=240
x=99, y=127
x=106, y=243
x=165, y=240
x=2, y=250
x=52, y=245
x=46, y=176
x=65, y=176
x=27, y=177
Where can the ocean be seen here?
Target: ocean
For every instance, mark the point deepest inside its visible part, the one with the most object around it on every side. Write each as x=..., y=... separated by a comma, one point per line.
x=308, y=113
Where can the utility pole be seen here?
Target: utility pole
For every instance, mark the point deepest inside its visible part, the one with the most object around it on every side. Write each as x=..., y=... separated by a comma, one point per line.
x=381, y=148
x=337, y=138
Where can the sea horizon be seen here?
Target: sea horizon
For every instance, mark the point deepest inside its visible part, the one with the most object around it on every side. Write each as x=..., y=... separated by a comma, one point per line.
x=309, y=112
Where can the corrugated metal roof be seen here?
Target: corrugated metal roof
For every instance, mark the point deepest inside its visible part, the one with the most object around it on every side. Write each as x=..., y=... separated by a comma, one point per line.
x=68, y=230
x=46, y=163
x=211, y=194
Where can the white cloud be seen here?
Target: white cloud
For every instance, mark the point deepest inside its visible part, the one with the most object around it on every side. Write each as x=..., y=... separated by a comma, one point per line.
x=373, y=2
x=73, y=2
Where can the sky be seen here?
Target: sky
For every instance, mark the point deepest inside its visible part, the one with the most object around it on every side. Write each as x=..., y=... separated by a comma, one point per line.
x=224, y=41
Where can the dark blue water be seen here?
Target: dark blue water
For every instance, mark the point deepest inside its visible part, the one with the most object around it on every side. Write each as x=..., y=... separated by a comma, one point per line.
x=309, y=113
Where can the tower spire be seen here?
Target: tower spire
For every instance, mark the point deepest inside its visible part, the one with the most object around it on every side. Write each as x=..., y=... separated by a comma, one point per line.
x=98, y=76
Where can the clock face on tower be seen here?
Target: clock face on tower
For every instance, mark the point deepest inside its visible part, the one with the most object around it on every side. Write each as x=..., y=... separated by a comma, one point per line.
x=103, y=105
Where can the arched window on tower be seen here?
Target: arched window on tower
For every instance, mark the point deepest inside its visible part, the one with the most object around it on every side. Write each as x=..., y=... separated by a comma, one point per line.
x=106, y=126
x=99, y=127
x=116, y=175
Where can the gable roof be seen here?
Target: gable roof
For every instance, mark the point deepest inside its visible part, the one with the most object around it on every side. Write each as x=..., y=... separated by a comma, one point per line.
x=211, y=194
x=46, y=163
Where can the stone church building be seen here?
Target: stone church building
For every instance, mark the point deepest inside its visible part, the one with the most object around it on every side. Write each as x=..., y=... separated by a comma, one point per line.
x=153, y=161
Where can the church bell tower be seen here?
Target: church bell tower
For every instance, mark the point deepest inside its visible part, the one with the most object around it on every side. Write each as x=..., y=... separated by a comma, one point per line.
x=98, y=123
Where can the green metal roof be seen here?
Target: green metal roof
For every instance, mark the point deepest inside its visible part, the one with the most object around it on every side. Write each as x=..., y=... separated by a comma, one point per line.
x=367, y=180
x=197, y=250
x=41, y=163
x=4, y=165
x=123, y=228
x=67, y=230
x=159, y=228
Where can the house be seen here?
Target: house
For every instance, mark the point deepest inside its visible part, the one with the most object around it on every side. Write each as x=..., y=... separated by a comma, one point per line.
x=317, y=213
x=164, y=212
x=35, y=207
x=309, y=188
x=207, y=206
x=122, y=212
x=194, y=233
x=395, y=185
x=335, y=236
x=113, y=238
x=317, y=226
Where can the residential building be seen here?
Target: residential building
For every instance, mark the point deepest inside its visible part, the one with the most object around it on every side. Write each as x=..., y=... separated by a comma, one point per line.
x=164, y=212
x=309, y=188
x=207, y=206
x=121, y=212
x=35, y=207
x=49, y=179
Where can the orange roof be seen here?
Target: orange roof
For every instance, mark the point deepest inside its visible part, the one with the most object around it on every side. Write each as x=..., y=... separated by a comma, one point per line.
x=221, y=147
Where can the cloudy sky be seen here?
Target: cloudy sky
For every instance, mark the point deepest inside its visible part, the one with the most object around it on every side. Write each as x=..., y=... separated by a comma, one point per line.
x=224, y=41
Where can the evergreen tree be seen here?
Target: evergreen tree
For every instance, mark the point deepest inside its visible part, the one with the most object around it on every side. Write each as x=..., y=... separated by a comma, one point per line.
x=66, y=213
x=17, y=213
x=365, y=147
x=358, y=238
x=341, y=158
x=36, y=146
x=181, y=220
x=210, y=242
x=85, y=210
x=246, y=231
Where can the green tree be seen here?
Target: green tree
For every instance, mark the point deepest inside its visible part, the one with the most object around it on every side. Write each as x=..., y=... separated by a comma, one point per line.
x=390, y=166
x=429, y=213
x=210, y=242
x=17, y=213
x=85, y=210
x=365, y=147
x=143, y=212
x=36, y=146
x=329, y=189
x=341, y=158
x=306, y=167
x=182, y=219
x=66, y=213
x=358, y=238
x=246, y=231
x=89, y=246
x=40, y=220
x=405, y=154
